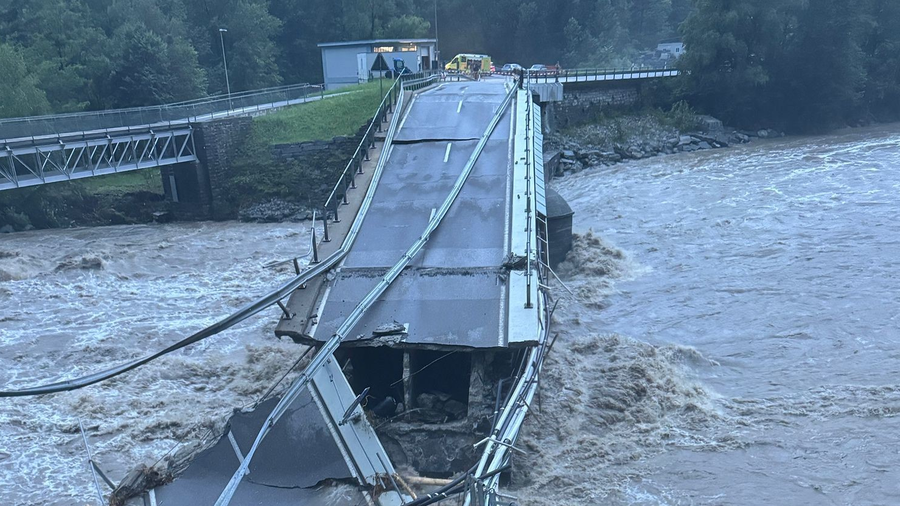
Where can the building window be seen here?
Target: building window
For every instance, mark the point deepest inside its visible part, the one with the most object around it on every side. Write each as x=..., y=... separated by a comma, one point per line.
x=677, y=49
x=383, y=49
x=408, y=49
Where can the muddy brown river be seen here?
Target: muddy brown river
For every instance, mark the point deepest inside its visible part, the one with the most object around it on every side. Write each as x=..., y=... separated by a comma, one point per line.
x=83, y=300
x=735, y=334
x=734, y=338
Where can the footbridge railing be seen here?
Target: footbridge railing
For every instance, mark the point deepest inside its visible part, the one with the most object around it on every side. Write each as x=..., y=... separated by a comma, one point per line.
x=35, y=128
x=593, y=75
x=46, y=149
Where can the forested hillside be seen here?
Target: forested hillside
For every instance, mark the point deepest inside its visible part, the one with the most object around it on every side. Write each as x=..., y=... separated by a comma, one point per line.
x=69, y=55
x=798, y=64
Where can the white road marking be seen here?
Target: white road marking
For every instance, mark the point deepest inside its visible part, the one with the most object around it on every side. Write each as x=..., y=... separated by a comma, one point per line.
x=406, y=114
x=459, y=108
x=447, y=154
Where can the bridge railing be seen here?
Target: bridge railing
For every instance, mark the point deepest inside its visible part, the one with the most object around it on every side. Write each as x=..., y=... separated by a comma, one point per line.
x=593, y=74
x=159, y=115
x=347, y=180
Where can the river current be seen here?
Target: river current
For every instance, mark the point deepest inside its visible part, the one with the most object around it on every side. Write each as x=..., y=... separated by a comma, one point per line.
x=83, y=300
x=733, y=337
x=734, y=334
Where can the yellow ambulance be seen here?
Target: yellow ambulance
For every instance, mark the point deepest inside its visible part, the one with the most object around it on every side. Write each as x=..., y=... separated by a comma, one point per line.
x=466, y=62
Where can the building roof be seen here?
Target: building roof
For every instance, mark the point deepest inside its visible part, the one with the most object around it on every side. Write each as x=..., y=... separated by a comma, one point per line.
x=376, y=41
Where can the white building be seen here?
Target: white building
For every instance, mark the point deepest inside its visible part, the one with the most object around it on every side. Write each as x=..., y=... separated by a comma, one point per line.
x=671, y=48
x=346, y=63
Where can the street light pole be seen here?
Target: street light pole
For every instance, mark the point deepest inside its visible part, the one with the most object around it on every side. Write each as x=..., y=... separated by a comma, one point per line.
x=225, y=64
x=437, y=51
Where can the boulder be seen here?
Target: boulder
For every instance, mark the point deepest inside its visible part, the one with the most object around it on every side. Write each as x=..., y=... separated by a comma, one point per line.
x=704, y=145
x=684, y=140
x=710, y=124
x=162, y=217
x=427, y=401
x=456, y=409
x=762, y=133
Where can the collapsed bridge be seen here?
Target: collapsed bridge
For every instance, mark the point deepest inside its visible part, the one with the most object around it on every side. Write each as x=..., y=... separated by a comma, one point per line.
x=445, y=252
x=425, y=306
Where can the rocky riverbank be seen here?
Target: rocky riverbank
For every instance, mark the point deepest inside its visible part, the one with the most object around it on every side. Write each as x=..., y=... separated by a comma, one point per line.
x=641, y=135
x=66, y=205
x=275, y=211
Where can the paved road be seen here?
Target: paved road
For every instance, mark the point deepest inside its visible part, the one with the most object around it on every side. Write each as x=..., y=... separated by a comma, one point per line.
x=457, y=272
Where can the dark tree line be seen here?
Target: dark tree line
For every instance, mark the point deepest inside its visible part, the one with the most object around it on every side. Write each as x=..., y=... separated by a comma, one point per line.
x=70, y=55
x=800, y=63
x=804, y=65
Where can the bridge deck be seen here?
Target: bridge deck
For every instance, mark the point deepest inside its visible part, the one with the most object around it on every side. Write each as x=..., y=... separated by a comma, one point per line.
x=454, y=293
x=279, y=477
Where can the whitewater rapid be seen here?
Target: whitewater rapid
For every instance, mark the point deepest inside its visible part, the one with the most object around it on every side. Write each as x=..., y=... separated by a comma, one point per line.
x=734, y=338
x=78, y=301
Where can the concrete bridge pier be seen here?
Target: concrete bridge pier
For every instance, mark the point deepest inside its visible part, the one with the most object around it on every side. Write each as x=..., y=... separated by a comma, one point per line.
x=187, y=183
x=197, y=185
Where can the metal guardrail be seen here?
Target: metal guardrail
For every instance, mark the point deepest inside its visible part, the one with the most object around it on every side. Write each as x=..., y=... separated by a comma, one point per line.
x=483, y=486
x=529, y=194
x=594, y=74
x=159, y=115
x=347, y=180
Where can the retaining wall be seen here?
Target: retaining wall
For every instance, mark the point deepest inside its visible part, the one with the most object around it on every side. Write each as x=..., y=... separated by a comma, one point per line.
x=582, y=103
x=218, y=142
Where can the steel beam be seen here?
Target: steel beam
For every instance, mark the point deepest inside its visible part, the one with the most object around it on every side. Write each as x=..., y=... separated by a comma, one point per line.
x=53, y=160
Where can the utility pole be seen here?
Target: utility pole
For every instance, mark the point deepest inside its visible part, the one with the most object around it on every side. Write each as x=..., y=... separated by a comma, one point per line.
x=437, y=52
x=225, y=64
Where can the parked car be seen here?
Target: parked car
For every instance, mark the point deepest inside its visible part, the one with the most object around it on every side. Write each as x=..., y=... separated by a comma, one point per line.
x=511, y=67
x=537, y=67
